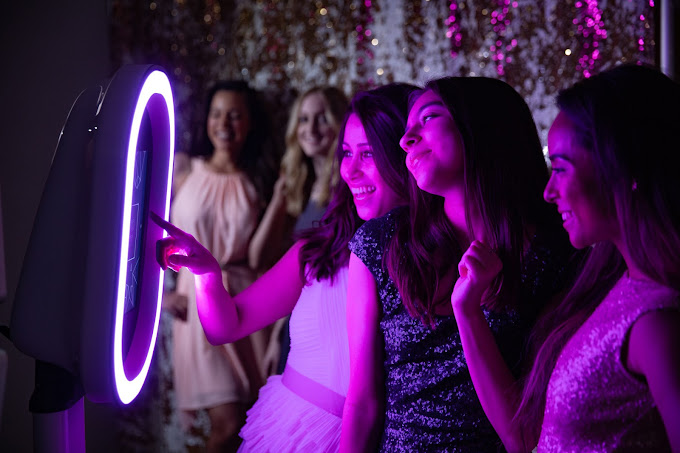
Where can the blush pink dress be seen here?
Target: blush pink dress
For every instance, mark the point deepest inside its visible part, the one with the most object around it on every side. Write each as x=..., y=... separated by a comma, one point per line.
x=301, y=410
x=221, y=211
x=593, y=404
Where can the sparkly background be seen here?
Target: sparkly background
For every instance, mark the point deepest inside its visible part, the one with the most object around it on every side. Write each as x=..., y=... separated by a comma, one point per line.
x=285, y=46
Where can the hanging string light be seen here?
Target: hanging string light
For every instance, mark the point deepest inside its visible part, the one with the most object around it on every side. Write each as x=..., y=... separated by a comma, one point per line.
x=502, y=47
x=591, y=28
x=453, y=29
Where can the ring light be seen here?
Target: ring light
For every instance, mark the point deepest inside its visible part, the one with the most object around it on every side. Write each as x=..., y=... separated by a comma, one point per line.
x=88, y=299
x=156, y=84
x=130, y=184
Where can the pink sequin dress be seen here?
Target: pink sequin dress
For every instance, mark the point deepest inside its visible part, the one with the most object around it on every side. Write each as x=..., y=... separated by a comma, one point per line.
x=593, y=404
x=221, y=211
x=301, y=410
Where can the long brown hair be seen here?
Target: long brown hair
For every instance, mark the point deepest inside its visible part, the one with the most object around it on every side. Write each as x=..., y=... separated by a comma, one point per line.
x=504, y=173
x=382, y=112
x=627, y=118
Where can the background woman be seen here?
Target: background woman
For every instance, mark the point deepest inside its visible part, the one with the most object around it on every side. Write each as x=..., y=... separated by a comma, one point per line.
x=219, y=201
x=302, y=192
x=301, y=410
x=472, y=148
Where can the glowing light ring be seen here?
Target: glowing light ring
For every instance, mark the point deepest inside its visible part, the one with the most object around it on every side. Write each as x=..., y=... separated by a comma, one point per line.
x=156, y=83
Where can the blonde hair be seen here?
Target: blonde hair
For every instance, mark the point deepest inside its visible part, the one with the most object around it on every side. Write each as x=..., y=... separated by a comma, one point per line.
x=296, y=167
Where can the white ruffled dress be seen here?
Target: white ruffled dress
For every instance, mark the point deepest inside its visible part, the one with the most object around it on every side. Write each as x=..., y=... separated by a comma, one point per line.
x=301, y=410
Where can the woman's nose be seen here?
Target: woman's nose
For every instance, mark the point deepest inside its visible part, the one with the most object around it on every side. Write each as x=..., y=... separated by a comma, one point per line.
x=409, y=139
x=549, y=193
x=350, y=168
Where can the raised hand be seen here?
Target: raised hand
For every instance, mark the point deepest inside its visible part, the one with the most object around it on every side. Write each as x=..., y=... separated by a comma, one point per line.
x=477, y=268
x=180, y=249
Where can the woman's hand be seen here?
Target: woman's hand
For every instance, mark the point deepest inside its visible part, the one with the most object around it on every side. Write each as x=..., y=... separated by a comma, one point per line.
x=180, y=249
x=477, y=268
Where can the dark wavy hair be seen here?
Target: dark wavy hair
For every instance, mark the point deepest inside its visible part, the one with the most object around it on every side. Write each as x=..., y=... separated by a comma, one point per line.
x=504, y=176
x=382, y=112
x=258, y=159
x=628, y=118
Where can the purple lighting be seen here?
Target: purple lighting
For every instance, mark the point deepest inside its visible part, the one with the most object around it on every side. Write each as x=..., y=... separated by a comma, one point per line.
x=128, y=378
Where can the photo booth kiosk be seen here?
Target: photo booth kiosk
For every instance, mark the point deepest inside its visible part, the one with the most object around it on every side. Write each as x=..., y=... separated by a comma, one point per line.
x=87, y=306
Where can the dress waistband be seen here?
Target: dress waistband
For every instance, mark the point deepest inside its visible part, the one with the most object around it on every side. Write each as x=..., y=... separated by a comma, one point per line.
x=313, y=392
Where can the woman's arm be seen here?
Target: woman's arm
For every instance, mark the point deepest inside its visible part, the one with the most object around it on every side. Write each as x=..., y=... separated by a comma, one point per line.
x=225, y=318
x=363, y=412
x=654, y=352
x=491, y=377
x=272, y=236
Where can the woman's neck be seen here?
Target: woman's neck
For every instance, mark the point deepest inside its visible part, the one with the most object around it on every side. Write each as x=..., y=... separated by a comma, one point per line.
x=221, y=162
x=454, y=208
x=319, y=163
x=634, y=270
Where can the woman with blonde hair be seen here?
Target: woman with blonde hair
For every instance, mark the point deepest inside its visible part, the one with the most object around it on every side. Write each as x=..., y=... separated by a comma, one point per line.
x=302, y=191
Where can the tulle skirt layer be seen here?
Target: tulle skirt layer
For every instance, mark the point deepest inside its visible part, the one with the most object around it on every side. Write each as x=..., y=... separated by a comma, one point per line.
x=282, y=422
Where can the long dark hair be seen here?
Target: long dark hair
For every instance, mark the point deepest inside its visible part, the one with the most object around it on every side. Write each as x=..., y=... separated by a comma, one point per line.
x=258, y=159
x=628, y=119
x=382, y=112
x=504, y=173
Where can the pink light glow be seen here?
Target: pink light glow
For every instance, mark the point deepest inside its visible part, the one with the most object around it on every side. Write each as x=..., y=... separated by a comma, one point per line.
x=156, y=83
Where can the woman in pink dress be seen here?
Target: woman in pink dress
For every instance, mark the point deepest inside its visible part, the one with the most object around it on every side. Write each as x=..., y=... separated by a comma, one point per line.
x=219, y=201
x=606, y=376
x=301, y=410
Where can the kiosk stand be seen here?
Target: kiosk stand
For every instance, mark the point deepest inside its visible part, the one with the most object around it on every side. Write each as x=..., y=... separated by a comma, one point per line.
x=87, y=306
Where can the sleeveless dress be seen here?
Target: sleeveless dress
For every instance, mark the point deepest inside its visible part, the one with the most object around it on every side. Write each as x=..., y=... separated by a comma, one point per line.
x=221, y=212
x=430, y=402
x=593, y=404
x=301, y=410
x=311, y=214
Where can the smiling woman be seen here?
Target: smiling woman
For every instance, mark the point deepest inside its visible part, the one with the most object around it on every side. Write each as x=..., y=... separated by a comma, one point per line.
x=219, y=201
x=373, y=196
x=434, y=146
x=481, y=191
x=573, y=187
x=301, y=410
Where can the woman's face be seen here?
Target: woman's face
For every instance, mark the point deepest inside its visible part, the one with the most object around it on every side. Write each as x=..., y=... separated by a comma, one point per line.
x=228, y=122
x=573, y=187
x=434, y=147
x=373, y=197
x=314, y=133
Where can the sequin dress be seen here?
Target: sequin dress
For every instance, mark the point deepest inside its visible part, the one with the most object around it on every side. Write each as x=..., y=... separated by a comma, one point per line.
x=430, y=402
x=593, y=404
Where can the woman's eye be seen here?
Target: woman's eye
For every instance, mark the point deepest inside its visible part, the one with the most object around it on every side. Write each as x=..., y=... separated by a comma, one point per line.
x=428, y=117
x=322, y=119
x=367, y=154
x=302, y=119
x=346, y=153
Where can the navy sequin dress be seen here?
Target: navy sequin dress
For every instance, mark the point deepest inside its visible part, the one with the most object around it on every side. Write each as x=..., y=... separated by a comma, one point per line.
x=430, y=402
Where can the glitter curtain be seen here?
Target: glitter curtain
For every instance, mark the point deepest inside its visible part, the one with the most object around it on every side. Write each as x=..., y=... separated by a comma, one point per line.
x=282, y=47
